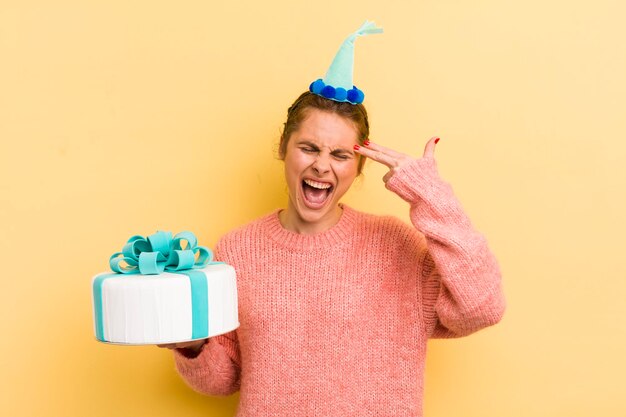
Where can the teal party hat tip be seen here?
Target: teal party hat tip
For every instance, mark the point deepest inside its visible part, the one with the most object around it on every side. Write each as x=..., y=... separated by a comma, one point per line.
x=337, y=84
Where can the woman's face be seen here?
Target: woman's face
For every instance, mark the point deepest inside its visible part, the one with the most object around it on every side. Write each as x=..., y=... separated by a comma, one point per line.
x=320, y=166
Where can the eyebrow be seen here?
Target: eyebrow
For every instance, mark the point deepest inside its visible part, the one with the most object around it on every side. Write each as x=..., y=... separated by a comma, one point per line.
x=334, y=151
x=341, y=150
x=307, y=143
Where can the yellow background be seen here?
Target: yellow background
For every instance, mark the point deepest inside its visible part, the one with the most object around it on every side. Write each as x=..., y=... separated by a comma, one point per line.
x=121, y=118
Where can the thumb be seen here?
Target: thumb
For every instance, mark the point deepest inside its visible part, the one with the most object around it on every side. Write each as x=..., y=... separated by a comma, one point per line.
x=429, y=149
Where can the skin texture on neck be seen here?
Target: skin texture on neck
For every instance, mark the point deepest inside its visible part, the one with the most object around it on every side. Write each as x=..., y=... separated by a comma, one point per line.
x=291, y=221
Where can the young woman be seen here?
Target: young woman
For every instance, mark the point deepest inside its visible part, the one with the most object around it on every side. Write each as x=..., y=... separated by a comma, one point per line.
x=336, y=306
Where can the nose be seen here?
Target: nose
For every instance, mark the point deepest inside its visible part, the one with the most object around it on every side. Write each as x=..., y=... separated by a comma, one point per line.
x=321, y=165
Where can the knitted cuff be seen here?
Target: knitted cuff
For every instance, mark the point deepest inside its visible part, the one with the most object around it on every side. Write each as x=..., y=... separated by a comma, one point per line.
x=230, y=346
x=187, y=363
x=416, y=180
x=210, y=350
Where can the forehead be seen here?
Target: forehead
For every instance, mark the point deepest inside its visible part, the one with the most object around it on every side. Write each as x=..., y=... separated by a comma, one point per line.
x=326, y=129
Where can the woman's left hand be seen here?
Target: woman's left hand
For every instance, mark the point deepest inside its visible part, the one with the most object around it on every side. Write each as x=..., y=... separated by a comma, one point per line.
x=392, y=159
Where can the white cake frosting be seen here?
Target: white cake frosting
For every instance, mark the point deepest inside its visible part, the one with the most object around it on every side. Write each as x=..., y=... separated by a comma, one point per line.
x=155, y=309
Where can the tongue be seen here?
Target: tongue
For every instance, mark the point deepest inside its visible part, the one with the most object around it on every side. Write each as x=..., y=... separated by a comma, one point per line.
x=315, y=195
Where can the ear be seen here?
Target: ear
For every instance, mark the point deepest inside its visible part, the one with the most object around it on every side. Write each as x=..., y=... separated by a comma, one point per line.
x=282, y=147
x=361, y=164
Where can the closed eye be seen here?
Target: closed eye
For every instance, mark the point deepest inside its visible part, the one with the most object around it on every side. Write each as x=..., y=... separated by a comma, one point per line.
x=342, y=156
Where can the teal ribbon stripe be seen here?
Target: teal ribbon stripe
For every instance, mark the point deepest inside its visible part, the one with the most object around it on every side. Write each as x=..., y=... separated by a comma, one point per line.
x=154, y=255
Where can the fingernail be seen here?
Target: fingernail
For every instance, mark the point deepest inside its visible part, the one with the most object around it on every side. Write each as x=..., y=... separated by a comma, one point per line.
x=366, y=142
x=436, y=140
x=356, y=147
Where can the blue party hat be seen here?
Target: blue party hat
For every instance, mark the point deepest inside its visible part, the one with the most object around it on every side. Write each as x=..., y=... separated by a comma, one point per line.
x=337, y=84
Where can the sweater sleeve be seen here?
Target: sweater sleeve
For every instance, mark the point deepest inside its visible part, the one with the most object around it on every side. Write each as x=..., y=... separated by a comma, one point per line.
x=216, y=370
x=460, y=283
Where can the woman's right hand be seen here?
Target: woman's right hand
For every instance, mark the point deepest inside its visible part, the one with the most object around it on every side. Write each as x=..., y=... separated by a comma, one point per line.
x=192, y=348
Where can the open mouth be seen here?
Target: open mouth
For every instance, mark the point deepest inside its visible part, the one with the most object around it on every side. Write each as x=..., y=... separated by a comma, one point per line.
x=316, y=192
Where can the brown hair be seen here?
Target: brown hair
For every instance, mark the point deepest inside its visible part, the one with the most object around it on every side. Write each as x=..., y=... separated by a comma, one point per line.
x=307, y=100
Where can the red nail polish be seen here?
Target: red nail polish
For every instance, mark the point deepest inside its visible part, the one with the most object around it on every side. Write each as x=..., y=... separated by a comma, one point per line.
x=436, y=140
x=366, y=142
x=356, y=147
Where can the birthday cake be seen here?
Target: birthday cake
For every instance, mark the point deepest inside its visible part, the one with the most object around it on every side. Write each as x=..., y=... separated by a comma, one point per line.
x=163, y=291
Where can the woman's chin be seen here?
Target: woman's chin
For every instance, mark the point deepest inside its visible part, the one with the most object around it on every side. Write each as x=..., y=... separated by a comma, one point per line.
x=316, y=213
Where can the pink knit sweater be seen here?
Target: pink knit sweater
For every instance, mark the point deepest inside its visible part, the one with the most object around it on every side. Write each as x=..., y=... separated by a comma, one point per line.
x=336, y=324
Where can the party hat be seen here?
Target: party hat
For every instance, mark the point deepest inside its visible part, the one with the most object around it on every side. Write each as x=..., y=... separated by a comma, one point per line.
x=337, y=84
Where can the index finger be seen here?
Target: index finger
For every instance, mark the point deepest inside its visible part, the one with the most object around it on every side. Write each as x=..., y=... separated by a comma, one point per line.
x=167, y=345
x=375, y=155
x=383, y=150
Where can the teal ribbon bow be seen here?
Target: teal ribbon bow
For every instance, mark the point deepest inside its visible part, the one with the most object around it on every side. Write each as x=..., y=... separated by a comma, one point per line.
x=160, y=252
